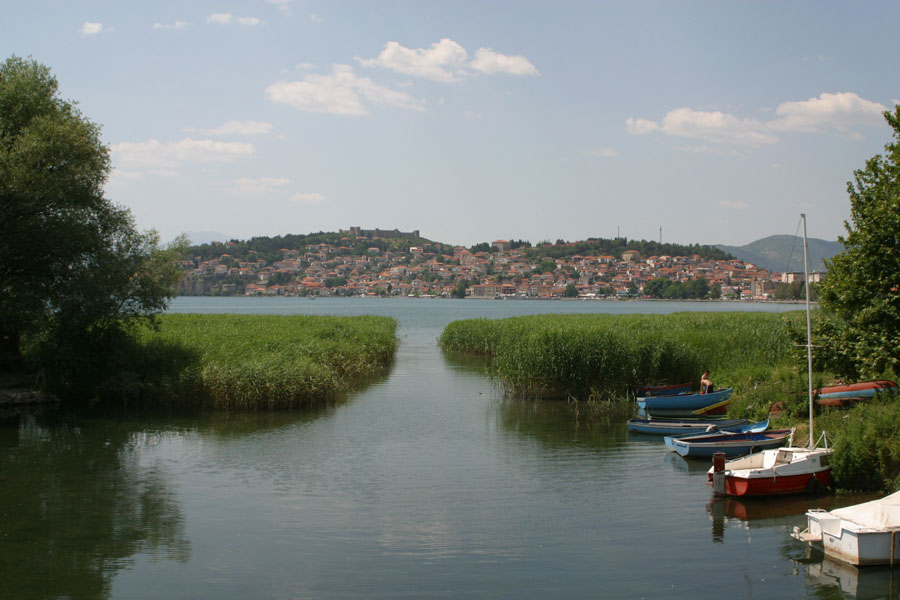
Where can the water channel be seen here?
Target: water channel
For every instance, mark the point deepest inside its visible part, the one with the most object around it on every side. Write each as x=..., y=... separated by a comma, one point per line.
x=426, y=484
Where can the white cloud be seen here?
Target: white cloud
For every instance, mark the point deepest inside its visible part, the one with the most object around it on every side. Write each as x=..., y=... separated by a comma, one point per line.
x=737, y=204
x=235, y=128
x=120, y=178
x=604, y=153
x=490, y=62
x=175, y=25
x=314, y=18
x=839, y=111
x=153, y=154
x=282, y=5
x=836, y=112
x=445, y=61
x=701, y=149
x=228, y=19
x=341, y=93
x=716, y=127
x=311, y=198
x=637, y=126
x=90, y=28
x=256, y=187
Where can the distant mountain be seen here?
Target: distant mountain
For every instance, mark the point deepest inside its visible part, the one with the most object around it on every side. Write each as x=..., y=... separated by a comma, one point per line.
x=783, y=253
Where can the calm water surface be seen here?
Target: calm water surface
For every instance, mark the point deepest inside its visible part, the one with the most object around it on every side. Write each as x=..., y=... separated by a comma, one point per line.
x=427, y=484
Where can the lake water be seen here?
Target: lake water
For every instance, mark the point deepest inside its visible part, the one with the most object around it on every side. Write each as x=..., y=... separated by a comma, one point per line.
x=427, y=484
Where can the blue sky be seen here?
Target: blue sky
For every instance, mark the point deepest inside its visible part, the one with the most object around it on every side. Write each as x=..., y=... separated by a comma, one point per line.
x=718, y=121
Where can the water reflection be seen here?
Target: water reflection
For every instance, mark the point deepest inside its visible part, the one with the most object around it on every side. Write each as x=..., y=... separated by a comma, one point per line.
x=562, y=424
x=77, y=504
x=84, y=493
x=679, y=463
x=828, y=578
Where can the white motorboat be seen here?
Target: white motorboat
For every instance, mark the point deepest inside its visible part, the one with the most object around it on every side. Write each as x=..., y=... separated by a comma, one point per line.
x=862, y=534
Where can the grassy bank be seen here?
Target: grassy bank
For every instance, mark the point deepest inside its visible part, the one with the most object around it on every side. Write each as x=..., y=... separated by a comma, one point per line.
x=254, y=362
x=599, y=356
x=596, y=357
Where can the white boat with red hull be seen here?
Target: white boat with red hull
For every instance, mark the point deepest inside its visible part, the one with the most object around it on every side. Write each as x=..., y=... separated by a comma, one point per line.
x=780, y=470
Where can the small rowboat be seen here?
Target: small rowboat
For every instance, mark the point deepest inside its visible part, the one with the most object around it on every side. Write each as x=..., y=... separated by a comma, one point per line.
x=683, y=402
x=847, y=395
x=644, y=391
x=863, y=389
x=682, y=427
x=732, y=444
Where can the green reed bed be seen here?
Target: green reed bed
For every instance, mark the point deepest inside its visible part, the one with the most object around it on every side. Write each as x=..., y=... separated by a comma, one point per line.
x=252, y=362
x=599, y=356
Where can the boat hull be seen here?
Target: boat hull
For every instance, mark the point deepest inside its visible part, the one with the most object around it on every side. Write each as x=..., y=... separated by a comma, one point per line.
x=863, y=534
x=865, y=389
x=777, y=486
x=683, y=402
x=644, y=391
x=686, y=427
x=732, y=445
x=773, y=472
x=862, y=548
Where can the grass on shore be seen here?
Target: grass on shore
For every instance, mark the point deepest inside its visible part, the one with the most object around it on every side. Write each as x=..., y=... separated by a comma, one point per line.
x=599, y=356
x=596, y=357
x=260, y=362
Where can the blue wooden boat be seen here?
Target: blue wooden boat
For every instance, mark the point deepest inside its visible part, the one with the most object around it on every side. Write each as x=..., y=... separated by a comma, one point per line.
x=683, y=427
x=684, y=402
x=643, y=391
x=864, y=389
x=732, y=444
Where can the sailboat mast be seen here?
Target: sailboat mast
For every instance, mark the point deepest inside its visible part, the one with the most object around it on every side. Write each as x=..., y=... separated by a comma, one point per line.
x=812, y=442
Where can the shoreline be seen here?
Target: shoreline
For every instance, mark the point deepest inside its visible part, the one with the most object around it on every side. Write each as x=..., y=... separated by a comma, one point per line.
x=23, y=397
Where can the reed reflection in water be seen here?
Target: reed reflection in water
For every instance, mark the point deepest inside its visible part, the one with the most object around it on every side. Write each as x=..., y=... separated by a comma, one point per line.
x=428, y=483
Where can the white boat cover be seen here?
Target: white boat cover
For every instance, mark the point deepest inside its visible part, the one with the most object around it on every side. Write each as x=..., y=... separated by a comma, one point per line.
x=883, y=513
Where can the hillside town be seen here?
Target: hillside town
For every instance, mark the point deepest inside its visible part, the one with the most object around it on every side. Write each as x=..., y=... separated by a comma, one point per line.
x=428, y=270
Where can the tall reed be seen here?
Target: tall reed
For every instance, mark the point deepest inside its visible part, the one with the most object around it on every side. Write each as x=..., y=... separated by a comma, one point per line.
x=253, y=362
x=599, y=356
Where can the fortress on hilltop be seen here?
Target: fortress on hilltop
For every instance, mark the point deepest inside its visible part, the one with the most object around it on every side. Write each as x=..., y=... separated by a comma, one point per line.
x=382, y=233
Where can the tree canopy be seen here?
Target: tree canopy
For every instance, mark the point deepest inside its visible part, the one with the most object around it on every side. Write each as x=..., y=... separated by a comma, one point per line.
x=74, y=270
x=861, y=293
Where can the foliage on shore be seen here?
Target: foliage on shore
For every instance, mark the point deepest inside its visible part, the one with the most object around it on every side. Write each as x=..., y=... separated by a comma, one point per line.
x=599, y=356
x=256, y=362
x=866, y=445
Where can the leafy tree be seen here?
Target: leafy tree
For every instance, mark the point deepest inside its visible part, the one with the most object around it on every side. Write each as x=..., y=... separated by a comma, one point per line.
x=571, y=291
x=75, y=274
x=459, y=291
x=862, y=289
x=655, y=287
x=696, y=288
x=674, y=291
x=331, y=282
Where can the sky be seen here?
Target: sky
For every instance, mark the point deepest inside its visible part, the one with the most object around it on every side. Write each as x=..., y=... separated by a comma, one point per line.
x=711, y=122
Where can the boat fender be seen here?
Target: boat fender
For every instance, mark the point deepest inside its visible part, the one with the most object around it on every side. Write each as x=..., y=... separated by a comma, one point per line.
x=813, y=487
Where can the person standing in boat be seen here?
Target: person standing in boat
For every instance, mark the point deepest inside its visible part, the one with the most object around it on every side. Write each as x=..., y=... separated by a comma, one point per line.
x=706, y=386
